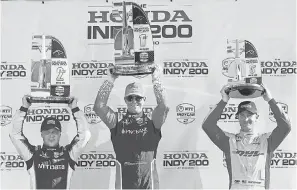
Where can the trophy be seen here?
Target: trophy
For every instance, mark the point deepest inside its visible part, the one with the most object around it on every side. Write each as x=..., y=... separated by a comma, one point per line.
x=49, y=71
x=243, y=70
x=133, y=41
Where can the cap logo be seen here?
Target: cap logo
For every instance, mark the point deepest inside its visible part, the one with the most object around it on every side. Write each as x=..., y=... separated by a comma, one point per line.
x=246, y=106
x=51, y=122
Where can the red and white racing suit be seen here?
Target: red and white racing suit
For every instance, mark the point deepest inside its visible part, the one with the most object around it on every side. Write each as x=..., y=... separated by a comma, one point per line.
x=248, y=164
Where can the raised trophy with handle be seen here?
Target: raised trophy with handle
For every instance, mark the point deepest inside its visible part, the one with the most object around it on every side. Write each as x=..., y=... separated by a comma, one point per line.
x=243, y=70
x=50, y=79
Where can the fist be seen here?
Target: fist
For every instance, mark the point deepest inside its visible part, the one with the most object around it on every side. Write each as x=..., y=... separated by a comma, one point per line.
x=266, y=94
x=25, y=101
x=111, y=74
x=225, y=93
x=73, y=103
x=157, y=72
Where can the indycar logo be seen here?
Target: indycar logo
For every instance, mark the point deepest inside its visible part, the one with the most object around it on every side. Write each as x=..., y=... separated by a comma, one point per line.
x=5, y=115
x=185, y=113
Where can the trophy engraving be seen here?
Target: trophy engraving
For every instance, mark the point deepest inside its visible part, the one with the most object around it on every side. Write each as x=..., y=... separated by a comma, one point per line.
x=133, y=41
x=49, y=71
x=243, y=70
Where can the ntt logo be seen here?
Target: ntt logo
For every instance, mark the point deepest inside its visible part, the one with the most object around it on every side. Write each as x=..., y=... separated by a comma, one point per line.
x=185, y=113
x=5, y=115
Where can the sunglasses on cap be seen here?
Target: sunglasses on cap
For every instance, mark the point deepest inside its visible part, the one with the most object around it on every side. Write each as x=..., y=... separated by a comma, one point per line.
x=136, y=98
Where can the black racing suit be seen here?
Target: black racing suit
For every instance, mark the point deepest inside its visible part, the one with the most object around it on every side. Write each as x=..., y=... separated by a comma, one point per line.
x=135, y=142
x=50, y=167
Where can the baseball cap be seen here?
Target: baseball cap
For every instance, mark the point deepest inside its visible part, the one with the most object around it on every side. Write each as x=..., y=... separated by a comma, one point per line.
x=247, y=106
x=50, y=123
x=134, y=89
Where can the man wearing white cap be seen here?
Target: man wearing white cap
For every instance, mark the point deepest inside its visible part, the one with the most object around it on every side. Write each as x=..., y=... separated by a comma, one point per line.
x=135, y=137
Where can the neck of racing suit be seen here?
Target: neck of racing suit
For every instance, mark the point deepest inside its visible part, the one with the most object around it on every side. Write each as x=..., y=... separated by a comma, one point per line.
x=248, y=137
x=49, y=148
x=134, y=115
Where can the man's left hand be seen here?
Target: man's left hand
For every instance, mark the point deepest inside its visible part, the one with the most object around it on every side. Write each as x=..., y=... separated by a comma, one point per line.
x=73, y=103
x=266, y=95
x=157, y=72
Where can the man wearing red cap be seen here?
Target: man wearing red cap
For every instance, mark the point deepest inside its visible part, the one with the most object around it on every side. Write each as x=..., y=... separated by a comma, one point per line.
x=247, y=154
x=50, y=166
x=135, y=137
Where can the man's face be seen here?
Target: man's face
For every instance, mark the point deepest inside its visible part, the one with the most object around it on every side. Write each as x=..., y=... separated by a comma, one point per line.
x=51, y=137
x=247, y=120
x=134, y=103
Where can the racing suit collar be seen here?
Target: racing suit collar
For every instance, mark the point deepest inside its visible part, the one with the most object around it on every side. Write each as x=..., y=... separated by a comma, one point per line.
x=45, y=147
x=247, y=137
x=134, y=115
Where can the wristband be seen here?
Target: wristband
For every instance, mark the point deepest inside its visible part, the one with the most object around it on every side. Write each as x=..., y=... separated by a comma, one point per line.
x=23, y=109
x=76, y=109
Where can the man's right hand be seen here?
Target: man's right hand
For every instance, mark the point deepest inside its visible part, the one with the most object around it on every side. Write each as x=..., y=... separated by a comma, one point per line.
x=26, y=104
x=225, y=93
x=112, y=76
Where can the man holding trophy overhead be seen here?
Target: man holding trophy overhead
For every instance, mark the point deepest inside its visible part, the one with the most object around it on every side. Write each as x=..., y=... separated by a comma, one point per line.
x=248, y=154
x=135, y=137
x=50, y=166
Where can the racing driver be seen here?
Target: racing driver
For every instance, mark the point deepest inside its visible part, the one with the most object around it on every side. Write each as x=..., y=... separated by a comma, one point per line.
x=136, y=136
x=248, y=154
x=50, y=166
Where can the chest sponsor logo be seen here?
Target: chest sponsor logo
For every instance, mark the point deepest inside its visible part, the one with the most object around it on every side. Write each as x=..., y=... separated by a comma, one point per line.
x=247, y=153
x=134, y=131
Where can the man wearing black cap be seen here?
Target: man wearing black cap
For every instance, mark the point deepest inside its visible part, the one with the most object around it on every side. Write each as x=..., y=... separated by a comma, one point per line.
x=135, y=137
x=247, y=154
x=50, y=166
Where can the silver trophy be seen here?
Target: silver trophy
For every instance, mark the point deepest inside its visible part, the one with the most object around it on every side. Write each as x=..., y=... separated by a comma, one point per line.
x=243, y=70
x=49, y=71
x=133, y=41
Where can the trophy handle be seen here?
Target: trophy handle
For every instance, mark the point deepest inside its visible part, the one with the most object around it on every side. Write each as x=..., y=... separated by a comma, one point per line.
x=50, y=99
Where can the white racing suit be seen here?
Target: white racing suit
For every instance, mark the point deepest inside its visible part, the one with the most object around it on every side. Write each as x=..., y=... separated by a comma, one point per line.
x=248, y=164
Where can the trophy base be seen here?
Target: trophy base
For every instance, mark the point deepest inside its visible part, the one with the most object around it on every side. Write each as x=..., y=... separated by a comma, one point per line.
x=245, y=91
x=50, y=99
x=132, y=70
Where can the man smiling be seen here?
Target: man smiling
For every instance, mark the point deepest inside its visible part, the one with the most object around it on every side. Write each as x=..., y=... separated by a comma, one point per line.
x=135, y=137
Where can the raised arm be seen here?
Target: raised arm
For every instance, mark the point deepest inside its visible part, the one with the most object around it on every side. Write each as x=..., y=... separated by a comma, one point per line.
x=79, y=142
x=106, y=114
x=160, y=112
x=217, y=135
x=283, y=123
x=21, y=143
